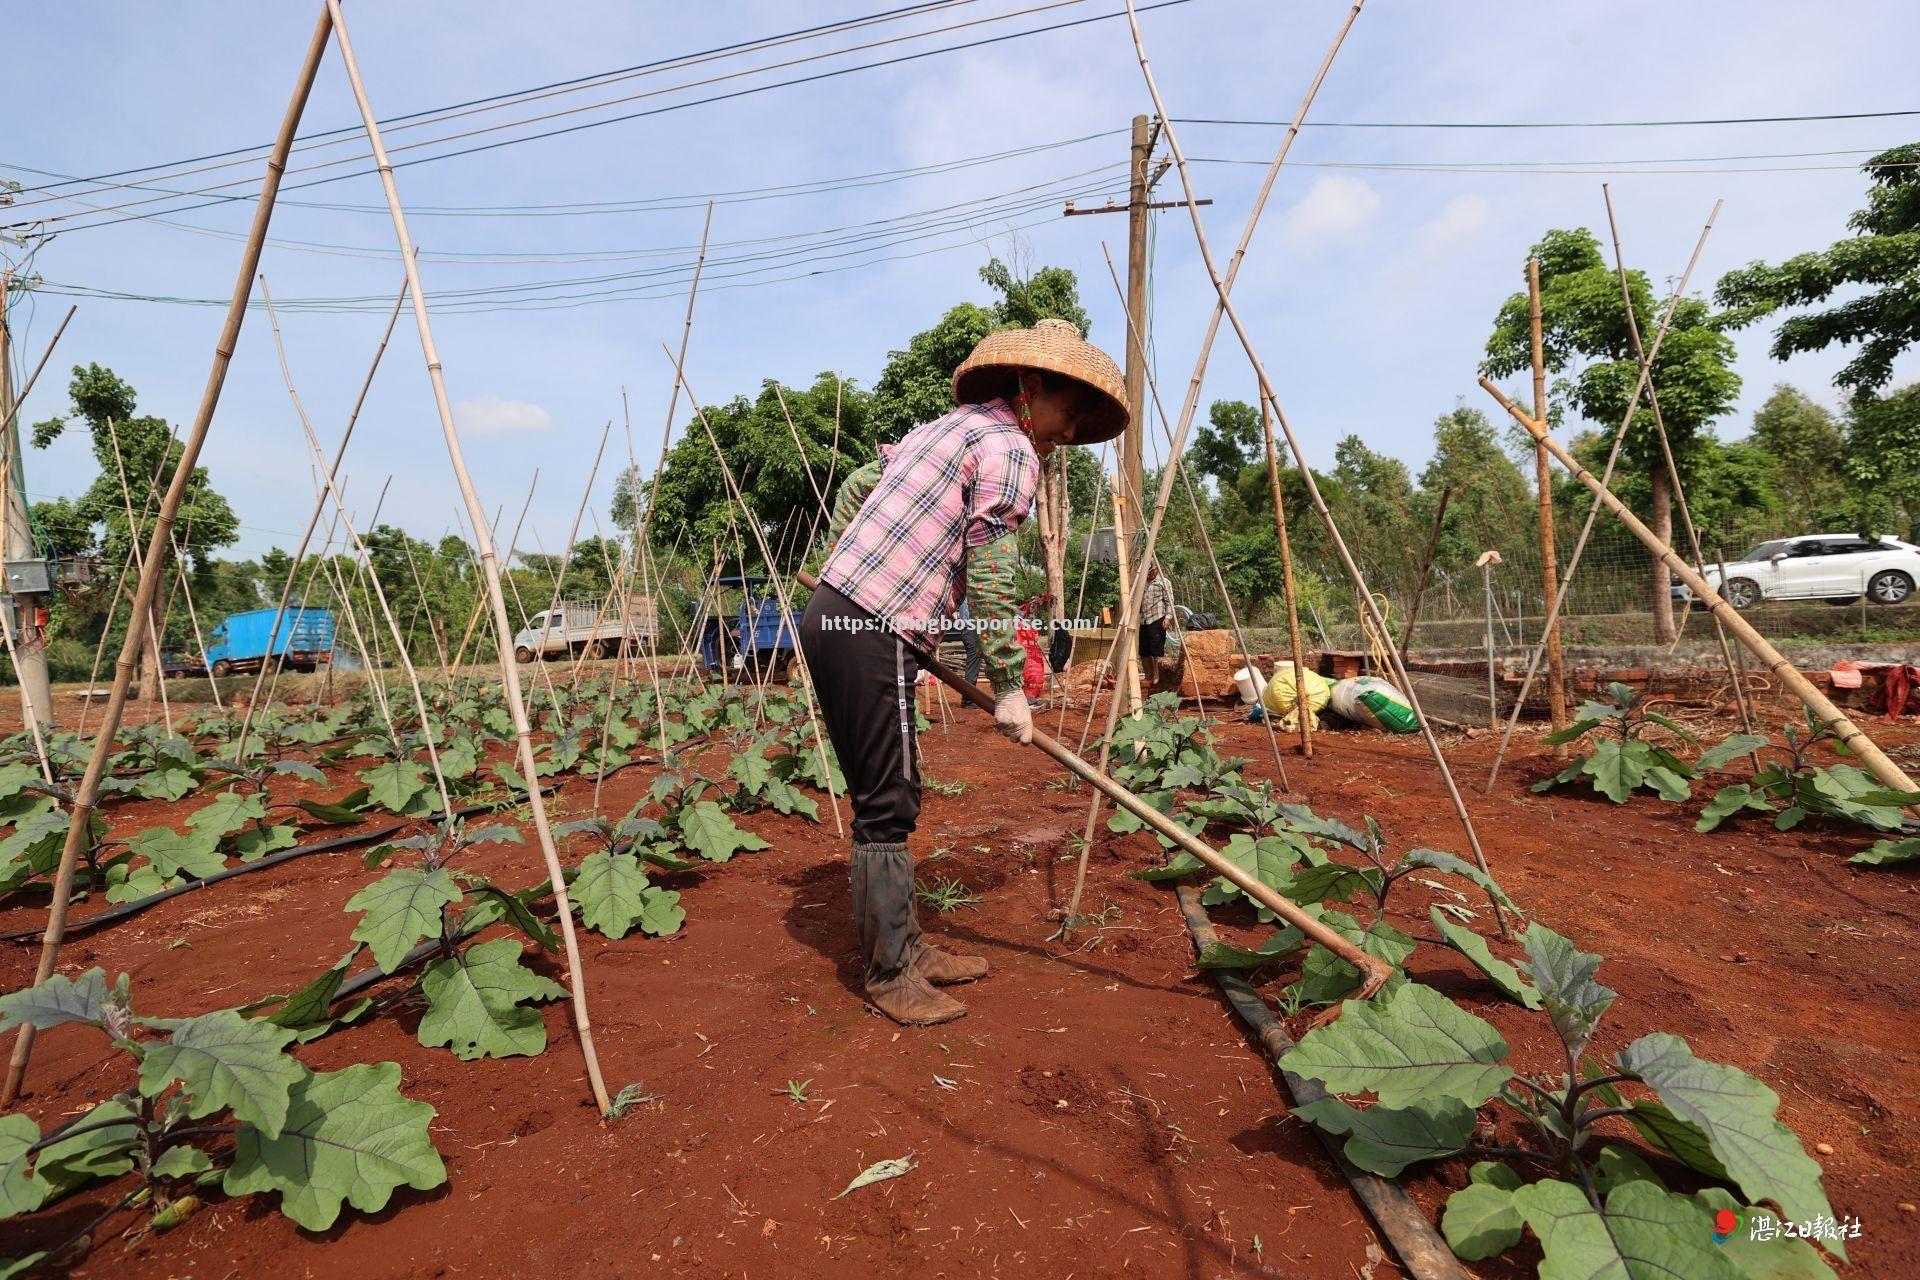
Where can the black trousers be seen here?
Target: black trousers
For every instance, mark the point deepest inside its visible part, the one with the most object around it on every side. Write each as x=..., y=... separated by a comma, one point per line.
x=863, y=679
x=1153, y=639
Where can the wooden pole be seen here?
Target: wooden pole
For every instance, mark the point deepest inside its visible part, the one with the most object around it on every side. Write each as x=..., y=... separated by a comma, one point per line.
x=1543, y=475
x=1294, y=640
x=1374, y=972
x=80, y=825
x=490, y=566
x=1129, y=656
x=1884, y=770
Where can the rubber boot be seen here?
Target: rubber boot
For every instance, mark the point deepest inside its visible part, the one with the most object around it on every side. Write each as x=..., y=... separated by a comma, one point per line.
x=882, y=878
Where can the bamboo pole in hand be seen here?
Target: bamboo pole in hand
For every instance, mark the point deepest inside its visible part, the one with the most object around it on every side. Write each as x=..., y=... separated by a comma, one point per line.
x=490, y=567
x=1850, y=735
x=88, y=795
x=1374, y=971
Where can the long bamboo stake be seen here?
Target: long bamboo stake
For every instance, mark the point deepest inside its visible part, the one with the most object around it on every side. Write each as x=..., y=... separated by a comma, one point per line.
x=26, y=388
x=1371, y=605
x=1374, y=972
x=1543, y=475
x=140, y=563
x=313, y=521
x=1850, y=735
x=1294, y=640
x=87, y=798
x=779, y=586
x=1426, y=571
x=509, y=669
x=1220, y=311
x=1593, y=512
x=1666, y=453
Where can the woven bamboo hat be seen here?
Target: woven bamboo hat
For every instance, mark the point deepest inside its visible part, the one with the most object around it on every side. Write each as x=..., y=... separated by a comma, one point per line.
x=1057, y=347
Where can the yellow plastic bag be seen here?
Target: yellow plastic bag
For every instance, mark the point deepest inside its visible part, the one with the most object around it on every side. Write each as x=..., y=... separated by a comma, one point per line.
x=1283, y=697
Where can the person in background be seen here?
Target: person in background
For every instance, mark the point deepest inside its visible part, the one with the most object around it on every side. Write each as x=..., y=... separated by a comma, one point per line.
x=935, y=525
x=1156, y=611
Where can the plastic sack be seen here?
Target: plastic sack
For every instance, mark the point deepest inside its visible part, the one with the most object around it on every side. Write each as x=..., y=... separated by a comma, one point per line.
x=1282, y=696
x=1373, y=702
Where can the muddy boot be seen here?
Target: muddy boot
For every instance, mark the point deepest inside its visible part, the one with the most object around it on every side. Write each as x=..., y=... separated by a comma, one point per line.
x=882, y=877
x=943, y=968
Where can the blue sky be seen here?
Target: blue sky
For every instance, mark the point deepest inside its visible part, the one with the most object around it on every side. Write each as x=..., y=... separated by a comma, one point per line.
x=1369, y=291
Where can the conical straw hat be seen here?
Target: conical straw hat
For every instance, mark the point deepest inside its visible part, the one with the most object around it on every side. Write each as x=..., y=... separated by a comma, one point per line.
x=1057, y=347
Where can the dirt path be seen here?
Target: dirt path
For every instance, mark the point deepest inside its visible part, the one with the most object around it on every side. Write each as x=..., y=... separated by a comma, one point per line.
x=1096, y=1114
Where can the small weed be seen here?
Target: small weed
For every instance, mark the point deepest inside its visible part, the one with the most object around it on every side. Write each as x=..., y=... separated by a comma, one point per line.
x=943, y=788
x=627, y=1099
x=946, y=895
x=796, y=1090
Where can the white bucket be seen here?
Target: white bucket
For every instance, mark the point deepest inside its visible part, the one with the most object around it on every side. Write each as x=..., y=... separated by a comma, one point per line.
x=1251, y=685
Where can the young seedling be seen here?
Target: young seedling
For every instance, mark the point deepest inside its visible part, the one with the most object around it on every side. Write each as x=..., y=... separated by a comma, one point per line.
x=1622, y=760
x=945, y=895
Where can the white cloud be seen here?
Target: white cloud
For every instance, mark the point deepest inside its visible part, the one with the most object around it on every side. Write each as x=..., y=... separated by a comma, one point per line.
x=1334, y=209
x=489, y=415
x=1458, y=221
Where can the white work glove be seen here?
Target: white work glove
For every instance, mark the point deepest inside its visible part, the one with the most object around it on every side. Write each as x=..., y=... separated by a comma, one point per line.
x=1012, y=716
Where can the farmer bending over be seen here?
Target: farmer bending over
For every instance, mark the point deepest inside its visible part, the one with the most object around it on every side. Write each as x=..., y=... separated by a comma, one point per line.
x=929, y=524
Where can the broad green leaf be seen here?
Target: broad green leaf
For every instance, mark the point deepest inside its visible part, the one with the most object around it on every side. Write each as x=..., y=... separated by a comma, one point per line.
x=1331, y=882
x=182, y=1162
x=1774, y=1257
x=168, y=781
x=789, y=799
x=709, y=832
x=312, y=1005
x=1669, y=1133
x=1728, y=801
x=1474, y=947
x=1672, y=726
x=1560, y=779
x=1405, y=1046
x=138, y=882
x=14, y=1268
x=36, y=842
x=1616, y=768
x=1645, y=1233
x=1495, y=1174
x=1563, y=975
x=610, y=891
x=1481, y=1220
x=1269, y=859
x=1668, y=784
x=1584, y=724
x=496, y=904
x=20, y=1191
x=60, y=1000
x=228, y=811
x=1224, y=955
x=299, y=769
x=1180, y=866
x=1385, y=1140
x=339, y=813
x=72, y=1163
x=473, y=1003
x=224, y=1061
x=350, y=1137
x=257, y=842
x=1888, y=853
x=1736, y=1113
x=1326, y=978
x=1733, y=748
x=400, y=909
x=1615, y=1165
x=458, y=758
x=195, y=855
x=751, y=769
x=394, y=784
x=661, y=912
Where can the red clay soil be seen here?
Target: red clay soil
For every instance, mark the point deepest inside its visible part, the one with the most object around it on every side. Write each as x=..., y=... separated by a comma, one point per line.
x=1098, y=1112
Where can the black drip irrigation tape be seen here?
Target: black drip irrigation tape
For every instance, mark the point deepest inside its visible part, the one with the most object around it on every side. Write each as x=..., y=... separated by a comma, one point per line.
x=127, y=910
x=1401, y=1223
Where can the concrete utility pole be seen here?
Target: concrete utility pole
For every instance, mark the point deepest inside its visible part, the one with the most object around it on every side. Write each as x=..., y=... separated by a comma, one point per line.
x=17, y=546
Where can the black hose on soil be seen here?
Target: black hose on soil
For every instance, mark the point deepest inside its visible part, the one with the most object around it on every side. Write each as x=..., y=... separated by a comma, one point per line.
x=1399, y=1220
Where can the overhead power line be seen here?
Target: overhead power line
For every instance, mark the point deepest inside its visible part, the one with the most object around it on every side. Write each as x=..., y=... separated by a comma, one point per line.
x=1551, y=124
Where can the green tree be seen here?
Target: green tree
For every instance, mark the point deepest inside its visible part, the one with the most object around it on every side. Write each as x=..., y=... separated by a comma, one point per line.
x=1587, y=339
x=1805, y=446
x=1491, y=503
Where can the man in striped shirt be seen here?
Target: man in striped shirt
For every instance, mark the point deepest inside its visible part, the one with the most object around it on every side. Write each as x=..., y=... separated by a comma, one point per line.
x=932, y=523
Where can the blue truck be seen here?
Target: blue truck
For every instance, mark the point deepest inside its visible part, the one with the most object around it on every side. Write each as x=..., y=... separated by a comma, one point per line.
x=748, y=641
x=240, y=643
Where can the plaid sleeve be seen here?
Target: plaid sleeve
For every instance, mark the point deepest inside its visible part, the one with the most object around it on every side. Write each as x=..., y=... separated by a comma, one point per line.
x=846, y=504
x=1005, y=475
x=991, y=602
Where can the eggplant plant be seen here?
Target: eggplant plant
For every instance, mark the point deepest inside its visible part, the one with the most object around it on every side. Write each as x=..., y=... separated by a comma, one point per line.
x=1791, y=785
x=1599, y=1207
x=206, y=1102
x=1622, y=759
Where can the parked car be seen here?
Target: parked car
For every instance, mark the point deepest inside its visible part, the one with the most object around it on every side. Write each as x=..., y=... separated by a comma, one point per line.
x=1836, y=567
x=302, y=640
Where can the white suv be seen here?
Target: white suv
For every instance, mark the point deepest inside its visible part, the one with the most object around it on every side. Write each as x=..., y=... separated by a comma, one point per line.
x=1836, y=567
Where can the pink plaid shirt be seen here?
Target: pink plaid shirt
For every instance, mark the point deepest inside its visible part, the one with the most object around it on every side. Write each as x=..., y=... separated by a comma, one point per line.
x=952, y=484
